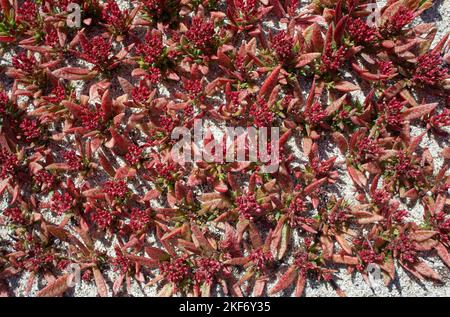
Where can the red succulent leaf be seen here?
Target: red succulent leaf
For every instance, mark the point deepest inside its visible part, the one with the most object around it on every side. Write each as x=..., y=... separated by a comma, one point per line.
x=418, y=111
x=55, y=288
x=285, y=280
x=270, y=82
x=424, y=270
x=345, y=259
x=74, y=73
x=100, y=282
x=443, y=253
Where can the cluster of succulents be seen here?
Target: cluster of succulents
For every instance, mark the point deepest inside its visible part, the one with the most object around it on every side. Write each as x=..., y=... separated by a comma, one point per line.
x=81, y=166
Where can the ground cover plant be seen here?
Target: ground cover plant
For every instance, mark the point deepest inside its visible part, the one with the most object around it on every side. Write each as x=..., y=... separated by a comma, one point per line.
x=90, y=191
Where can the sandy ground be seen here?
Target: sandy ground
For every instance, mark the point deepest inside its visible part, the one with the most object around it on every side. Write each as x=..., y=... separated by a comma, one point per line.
x=351, y=284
